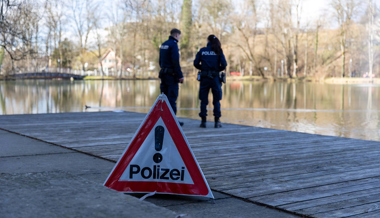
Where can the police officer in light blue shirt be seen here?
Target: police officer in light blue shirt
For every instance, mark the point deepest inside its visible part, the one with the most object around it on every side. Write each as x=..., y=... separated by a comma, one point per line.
x=170, y=73
x=210, y=61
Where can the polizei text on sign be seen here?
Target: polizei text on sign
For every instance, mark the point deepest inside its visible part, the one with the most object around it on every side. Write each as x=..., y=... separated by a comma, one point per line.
x=157, y=173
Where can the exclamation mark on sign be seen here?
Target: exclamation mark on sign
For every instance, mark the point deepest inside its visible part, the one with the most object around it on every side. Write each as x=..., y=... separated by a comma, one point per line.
x=158, y=142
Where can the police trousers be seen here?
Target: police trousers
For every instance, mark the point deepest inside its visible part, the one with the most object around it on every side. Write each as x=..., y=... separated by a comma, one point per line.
x=169, y=86
x=216, y=89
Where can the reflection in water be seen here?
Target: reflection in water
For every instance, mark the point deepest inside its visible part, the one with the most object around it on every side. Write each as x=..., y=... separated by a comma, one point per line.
x=339, y=110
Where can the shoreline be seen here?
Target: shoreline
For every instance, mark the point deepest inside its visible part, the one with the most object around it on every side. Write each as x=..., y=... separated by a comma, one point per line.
x=329, y=80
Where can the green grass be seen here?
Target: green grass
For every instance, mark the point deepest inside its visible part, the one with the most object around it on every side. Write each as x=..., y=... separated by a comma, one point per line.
x=98, y=77
x=338, y=80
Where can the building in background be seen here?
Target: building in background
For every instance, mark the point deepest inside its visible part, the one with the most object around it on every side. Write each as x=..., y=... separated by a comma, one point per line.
x=111, y=63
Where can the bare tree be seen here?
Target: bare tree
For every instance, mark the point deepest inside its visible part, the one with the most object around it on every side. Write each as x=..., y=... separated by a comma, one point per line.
x=99, y=43
x=370, y=28
x=31, y=32
x=344, y=12
x=260, y=35
x=137, y=10
x=118, y=32
x=55, y=21
x=248, y=30
x=318, y=25
x=272, y=19
x=186, y=23
x=83, y=17
x=215, y=15
x=18, y=28
x=298, y=8
x=284, y=26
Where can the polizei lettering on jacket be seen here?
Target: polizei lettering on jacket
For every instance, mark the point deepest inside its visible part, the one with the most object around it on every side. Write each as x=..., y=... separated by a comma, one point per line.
x=208, y=53
x=157, y=172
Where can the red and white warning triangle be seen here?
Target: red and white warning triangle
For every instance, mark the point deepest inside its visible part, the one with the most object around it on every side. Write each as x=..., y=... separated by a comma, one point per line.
x=159, y=159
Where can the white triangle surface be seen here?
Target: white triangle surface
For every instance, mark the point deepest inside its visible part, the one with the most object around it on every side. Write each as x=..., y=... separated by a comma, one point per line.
x=146, y=170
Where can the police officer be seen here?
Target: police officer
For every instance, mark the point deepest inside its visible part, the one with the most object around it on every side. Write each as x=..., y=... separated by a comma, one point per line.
x=210, y=61
x=170, y=73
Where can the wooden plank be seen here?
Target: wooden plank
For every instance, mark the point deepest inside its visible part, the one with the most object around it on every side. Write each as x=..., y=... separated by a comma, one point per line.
x=287, y=155
x=345, y=212
x=104, y=150
x=247, y=189
x=272, y=165
x=286, y=174
x=372, y=214
x=252, y=146
x=311, y=197
x=345, y=201
x=306, y=173
x=94, y=142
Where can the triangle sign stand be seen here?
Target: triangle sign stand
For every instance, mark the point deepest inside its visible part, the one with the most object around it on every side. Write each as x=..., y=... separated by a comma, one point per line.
x=159, y=159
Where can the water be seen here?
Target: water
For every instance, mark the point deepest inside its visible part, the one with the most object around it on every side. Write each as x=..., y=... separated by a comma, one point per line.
x=339, y=110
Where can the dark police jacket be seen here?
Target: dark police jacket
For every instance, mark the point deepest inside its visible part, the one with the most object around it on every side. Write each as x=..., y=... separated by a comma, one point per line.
x=208, y=60
x=169, y=56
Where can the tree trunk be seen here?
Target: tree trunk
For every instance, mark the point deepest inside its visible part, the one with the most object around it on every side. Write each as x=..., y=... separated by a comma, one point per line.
x=47, y=48
x=343, y=49
x=121, y=60
x=115, y=60
x=261, y=72
x=28, y=62
x=370, y=39
x=343, y=62
x=316, y=49
x=101, y=65
x=250, y=68
x=295, y=47
x=60, y=46
x=295, y=56
x=134, y=51
x=275, y=58
x=36, y=48
x=284, y=55
x=289, y=61
x=100, y=58
x=186, y=23
x=305, y=68
x=13, y=67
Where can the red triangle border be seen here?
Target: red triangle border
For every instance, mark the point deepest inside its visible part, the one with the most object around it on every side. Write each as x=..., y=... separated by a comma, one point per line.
x=200, y=186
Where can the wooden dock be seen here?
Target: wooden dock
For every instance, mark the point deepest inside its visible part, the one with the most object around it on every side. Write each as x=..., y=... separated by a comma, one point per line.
x=314, y=175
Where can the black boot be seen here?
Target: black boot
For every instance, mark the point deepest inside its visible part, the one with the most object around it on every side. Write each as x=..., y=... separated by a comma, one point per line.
x=217, y=123
x=203, y=123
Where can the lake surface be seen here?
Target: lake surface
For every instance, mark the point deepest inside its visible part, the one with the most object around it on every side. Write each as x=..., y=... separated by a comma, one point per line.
x=351, y=111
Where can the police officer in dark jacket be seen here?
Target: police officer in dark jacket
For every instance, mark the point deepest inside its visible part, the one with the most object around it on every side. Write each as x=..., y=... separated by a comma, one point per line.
x=170, y=73
x=210, y=61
